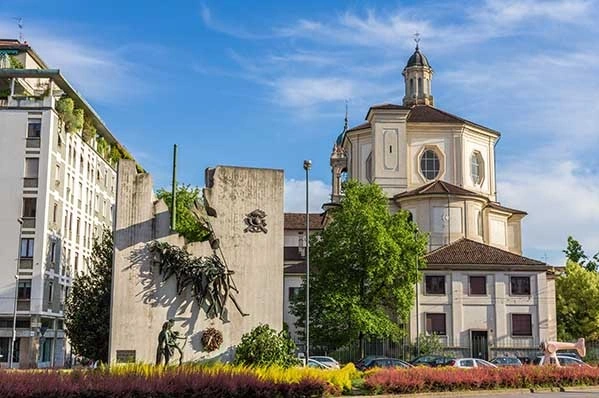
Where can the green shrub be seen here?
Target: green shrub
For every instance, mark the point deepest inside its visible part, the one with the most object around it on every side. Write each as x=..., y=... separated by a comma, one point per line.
x=263, y=346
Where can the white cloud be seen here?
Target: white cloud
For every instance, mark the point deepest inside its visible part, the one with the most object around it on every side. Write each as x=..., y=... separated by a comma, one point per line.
x=295, y=195
x=309, y=91
x=561, y=198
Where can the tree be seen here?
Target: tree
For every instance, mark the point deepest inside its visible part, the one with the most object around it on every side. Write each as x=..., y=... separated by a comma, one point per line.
x=263, y=346
x=575, y=253
x=577, y=303
x=362, y=284
x=87, y=312
x=187, y=223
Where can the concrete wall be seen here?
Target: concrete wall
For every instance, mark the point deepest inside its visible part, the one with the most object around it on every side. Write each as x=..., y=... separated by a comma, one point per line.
x=141, y=302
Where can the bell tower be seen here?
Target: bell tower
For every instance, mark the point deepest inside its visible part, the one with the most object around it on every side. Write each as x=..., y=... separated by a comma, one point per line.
x=417, y=76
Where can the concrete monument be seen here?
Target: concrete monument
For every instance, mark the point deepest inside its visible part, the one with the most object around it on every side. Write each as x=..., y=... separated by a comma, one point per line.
x=231, y=284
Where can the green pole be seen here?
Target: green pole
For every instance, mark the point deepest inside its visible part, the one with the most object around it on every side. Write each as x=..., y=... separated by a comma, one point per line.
x=174, y=192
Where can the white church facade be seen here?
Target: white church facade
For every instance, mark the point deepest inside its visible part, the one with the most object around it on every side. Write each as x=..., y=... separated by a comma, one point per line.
x=478, y=293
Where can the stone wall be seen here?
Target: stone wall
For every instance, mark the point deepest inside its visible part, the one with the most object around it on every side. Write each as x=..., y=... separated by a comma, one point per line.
x=142, y=302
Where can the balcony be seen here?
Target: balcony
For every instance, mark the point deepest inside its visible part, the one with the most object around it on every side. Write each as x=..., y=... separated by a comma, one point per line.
x=23, y=305
x=26, y=263
x=28, y=222
x=22, y=101
x=29, y=182
x=32, y=143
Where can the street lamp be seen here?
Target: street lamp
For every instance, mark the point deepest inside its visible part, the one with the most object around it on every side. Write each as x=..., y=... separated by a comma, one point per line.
x=14, y=312
x=307, y=166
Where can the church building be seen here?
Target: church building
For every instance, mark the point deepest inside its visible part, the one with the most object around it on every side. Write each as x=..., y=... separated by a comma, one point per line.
x=478, y=293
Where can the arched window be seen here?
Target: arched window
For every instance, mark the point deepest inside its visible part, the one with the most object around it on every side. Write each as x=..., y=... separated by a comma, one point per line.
x=412, y=87
x=430, y=166
x=369, y=167
x=420, y=90
x=476, y=168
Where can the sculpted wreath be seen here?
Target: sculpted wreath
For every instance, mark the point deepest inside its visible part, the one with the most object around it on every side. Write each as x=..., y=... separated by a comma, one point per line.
x=211, y=339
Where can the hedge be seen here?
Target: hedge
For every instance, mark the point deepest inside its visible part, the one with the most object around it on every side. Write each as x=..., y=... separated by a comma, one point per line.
x=400, y=381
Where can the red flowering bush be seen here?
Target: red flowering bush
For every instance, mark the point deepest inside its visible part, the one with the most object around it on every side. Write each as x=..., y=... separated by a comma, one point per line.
x=171, y=383
x=399, y=381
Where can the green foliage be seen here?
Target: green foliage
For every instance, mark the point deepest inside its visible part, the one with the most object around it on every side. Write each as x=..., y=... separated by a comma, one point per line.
x=577, y=303
x=87, y=312
x=89, y=130
x=4, y=93
x=429, y=344
x=363, y=280
x=15, y=63
x=263, y=346
x=102, y=146
x=72, y=117
x=115, y=154
x=575, y=253
x=187, y=224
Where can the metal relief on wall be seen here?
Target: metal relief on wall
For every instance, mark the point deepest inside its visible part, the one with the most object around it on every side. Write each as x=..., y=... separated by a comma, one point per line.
x=256, y=221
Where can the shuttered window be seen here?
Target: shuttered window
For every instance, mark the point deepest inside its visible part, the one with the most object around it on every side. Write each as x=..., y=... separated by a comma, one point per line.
x=435, y=324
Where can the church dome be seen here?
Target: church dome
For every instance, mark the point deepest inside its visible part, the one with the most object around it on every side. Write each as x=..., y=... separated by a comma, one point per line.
x=417, y=59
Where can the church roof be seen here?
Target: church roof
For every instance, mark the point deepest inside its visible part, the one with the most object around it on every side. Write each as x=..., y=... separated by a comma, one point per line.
x=424, y=114
x=359, y=127
x=438, y=187
x=497, y=206
x=469, y=252
x=417, y=59
x=298, y=221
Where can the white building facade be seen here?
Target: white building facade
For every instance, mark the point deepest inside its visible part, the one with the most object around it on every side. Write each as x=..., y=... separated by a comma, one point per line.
x=478, y=292
x=59, y=195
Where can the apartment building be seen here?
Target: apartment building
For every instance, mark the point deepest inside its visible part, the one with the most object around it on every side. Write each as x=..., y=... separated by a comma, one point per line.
x=57, y=170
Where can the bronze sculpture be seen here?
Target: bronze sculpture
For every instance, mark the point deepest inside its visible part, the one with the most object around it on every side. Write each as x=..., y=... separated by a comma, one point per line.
x=167, y=344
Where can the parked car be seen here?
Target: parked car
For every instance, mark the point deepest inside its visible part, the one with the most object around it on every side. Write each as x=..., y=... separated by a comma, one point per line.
x=382, y=362
x=506, y=361
x=330, y=362
x=431, y=360
x=564, y=360
x=312, y=363
x=471, y=363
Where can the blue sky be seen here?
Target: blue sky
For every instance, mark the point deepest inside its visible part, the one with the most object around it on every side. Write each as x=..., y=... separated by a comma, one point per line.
x=264, y=84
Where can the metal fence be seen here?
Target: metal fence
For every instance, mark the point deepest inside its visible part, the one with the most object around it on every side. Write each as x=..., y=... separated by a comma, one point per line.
x=526, y=350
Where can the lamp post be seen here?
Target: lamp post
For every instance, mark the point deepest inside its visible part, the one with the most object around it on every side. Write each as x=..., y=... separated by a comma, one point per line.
x=307, y=166
x=14, y=311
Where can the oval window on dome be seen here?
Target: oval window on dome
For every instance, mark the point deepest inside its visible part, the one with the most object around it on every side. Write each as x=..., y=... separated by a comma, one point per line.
x=476, y=168
x=430, y=166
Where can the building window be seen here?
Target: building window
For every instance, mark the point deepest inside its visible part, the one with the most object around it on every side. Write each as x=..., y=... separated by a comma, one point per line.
x=478, y=285
x=53, y=251
x=24, y=290
x=369, y=167
x=27, y=247
x=521, y=325
x=34, y=128
x=430, y=165
x=55, y=213
x=31, y=172
x=435, y=284
x=435, y=324
x=520, y=285
x=50, y=291
x=476, y=168
x=29, y=207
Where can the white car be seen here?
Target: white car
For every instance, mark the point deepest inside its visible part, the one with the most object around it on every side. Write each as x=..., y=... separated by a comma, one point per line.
x=330, y=362
x=564, y=360
x=313, y=363
x=471, y=363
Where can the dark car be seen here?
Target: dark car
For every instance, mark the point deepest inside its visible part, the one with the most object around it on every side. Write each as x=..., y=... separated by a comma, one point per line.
x=431, y=360
x=506, y=361
x=381, y=362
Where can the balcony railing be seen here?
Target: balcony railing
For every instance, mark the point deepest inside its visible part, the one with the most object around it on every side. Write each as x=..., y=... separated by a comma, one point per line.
x=29, y=182
x=28, y=222
x=23, y=305
x=26, y=263
x=32, y=143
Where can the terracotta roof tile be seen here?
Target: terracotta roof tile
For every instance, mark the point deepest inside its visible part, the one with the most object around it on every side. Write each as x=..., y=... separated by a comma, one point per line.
x=466, y=251
x=298, y=221
x=429, y=114
x=359, y=127
x=438, y=187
